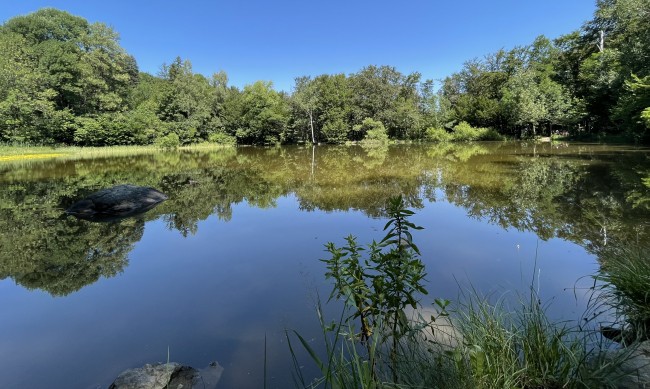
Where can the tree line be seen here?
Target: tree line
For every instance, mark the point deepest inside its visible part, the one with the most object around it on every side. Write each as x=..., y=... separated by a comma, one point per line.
x=64, y=80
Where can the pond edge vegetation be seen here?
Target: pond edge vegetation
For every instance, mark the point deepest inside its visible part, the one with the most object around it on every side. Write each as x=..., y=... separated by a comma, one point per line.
x=382, y=338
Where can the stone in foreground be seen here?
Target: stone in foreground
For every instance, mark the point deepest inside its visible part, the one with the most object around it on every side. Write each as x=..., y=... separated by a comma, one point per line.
x=115, y=203
x=169, y=376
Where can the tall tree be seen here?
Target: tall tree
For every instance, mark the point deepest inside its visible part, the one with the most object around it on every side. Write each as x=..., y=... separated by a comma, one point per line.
x=258, y=115
x=305, y=97
x=186, y=103
x=27, y=109
x=83, y=62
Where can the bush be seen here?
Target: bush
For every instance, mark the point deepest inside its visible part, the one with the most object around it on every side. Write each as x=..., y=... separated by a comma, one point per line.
x=376, y=135
x=222, y=139
x=169, y=141
x=435, y=134
x=492, y=134
x=464, y=132
x=335, y=131
x=368, y=126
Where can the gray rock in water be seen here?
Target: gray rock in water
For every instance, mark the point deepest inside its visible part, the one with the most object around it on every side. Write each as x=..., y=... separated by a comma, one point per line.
x=146, y=377
x=634, y=372
x=116, y=203
x=169, y=376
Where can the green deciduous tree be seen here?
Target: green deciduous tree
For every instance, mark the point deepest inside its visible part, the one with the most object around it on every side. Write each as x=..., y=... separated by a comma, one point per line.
x=187, y=102
x=27, y=108
x=82, y=62
x=258, y=115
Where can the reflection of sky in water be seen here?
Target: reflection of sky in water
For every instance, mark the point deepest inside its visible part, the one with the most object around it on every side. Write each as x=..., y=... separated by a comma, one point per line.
x=461, y=251
x=214, y=295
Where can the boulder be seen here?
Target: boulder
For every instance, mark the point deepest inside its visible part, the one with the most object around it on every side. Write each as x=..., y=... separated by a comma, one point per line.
x=634, y=371
x=117, y=202
x=169, y=376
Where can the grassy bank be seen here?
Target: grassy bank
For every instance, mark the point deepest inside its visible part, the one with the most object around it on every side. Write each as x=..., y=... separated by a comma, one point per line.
x=480, y=345
x=383, y=338
x=12, y=153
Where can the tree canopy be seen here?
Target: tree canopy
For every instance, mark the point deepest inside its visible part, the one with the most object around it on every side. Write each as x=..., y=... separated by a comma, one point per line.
x=64, y=80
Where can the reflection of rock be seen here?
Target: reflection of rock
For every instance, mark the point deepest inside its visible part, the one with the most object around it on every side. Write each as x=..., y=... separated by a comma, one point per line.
x=169, y=375
x=624, y=336
x=117, y=202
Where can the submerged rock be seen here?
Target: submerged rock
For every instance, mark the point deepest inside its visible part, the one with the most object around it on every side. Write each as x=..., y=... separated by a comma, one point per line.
x=116, y=203
x=169, y=376
x=634, y=371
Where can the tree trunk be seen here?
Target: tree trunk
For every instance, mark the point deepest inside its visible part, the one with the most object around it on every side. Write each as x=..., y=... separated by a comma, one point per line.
x=311, y=125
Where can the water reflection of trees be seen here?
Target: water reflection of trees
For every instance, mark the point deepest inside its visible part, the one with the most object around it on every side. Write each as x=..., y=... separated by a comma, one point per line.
x=40, y=249
x=594, y=197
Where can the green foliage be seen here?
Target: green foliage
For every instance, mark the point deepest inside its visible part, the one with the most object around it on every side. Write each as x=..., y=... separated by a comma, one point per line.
x=437, y=134
x=59, y=73
x=368, y=125
x=222, y=139
x=169, y=141
x=463, y=132
x=374, y=130
x=57, y=67
x=186, y=102
x=335, y=131
x=645, y=116
x=380, y=287
x=522, y=348
x=82, y=62
x=633, y=108
x=108, y=130
x=258, y=115
x=625, y=274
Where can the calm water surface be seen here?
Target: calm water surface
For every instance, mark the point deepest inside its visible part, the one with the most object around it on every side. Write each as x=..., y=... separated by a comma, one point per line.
x=232, y=256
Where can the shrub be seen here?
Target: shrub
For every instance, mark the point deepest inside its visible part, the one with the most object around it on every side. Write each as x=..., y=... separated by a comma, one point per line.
x=435, y=134
x=169, y=141
x=491, y=134
x=376, y=135
x=222, y=139
x=368, y=126
x=335, y=131
x=464, y=132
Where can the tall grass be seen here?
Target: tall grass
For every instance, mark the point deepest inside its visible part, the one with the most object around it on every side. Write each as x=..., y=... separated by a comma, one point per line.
x=485, y=344
x=522, y=348
x=625, y=287
x=24, y=153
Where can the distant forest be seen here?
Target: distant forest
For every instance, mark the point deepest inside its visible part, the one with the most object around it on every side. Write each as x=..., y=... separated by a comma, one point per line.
x=64, y=80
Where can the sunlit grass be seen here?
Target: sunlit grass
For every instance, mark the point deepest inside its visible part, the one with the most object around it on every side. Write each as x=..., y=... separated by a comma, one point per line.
x=486, y=345
x=13, y=153
x=21, y=157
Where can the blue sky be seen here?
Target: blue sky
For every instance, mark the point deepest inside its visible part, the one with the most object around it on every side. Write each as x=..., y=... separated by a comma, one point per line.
x=280, y=40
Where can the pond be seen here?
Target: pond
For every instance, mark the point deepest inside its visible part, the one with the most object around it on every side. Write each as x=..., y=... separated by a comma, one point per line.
x=231, y=260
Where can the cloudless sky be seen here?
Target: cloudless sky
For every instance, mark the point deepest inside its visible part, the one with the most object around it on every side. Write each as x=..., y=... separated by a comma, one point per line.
x=278, y=40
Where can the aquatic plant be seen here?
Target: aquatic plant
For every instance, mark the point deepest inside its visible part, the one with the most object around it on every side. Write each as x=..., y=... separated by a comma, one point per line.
x=625, y=287
x=478, y=344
